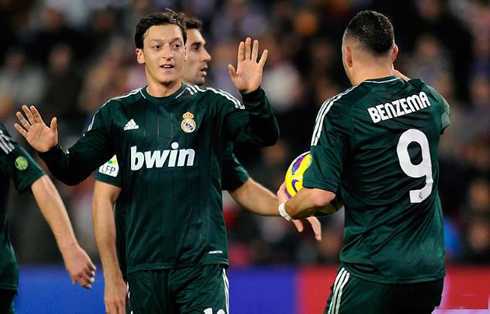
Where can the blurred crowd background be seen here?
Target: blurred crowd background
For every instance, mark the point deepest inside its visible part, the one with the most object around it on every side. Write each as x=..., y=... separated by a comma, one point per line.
x=68, y=57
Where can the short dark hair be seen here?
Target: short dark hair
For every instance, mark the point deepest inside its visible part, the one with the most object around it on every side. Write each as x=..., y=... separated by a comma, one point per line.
x=193, y=23
x=373, y=30
x=168, y=17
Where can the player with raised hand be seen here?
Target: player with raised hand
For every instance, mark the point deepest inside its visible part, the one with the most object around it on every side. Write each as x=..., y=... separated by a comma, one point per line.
x=17, y=165
x=109, y=215
x=376, y=145
x=169, y=139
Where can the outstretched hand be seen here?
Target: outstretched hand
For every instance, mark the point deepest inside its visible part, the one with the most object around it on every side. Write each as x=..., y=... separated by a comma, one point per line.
x=41, y=137
x=248, y=74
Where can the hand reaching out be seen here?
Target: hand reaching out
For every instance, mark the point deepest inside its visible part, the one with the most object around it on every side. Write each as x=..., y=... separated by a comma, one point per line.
x=248, y=74
x=41, y=137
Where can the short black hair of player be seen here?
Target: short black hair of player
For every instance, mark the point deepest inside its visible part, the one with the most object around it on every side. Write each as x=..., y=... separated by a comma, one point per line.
x=193, y=23
x=373, y=30
x=168, y=17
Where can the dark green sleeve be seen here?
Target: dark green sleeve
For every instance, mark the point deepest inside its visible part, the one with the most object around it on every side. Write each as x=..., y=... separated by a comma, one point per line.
x=234, y=174
x=445, y=109
x=329, y=147
x=253, y=121
x=109, y=173
x=88, y=153
x=20, y=166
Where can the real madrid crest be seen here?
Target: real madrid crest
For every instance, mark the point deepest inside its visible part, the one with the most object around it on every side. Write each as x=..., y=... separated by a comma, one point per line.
x=188, y=125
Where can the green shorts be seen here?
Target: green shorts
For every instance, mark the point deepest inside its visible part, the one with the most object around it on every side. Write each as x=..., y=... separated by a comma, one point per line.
x=201, y=290
x=7, y=301
x=353, y=295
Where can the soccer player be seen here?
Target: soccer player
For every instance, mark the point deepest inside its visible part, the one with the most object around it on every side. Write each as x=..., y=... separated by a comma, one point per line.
x=169, y=139
x=18, y=166
x=375, y=145
x=109, y=228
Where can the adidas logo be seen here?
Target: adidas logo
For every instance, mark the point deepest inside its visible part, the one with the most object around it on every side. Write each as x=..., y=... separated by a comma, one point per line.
x=131, y=125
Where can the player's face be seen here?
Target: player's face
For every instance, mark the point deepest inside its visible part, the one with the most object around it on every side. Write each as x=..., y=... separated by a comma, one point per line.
x=163, y=54
x=195, y=68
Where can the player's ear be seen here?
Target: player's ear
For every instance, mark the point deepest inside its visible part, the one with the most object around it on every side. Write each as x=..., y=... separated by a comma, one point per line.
x=394, y=54
x=140, y=57
x=347, y=56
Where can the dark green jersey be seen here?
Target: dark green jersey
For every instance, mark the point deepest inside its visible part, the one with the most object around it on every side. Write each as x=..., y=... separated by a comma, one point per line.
x=234, y=175
x=169, y=153
x=18, y=166
x=376, y=144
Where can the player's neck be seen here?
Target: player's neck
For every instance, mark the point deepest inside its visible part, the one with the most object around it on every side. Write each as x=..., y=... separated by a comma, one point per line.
x=371, y=72
x=163, y=90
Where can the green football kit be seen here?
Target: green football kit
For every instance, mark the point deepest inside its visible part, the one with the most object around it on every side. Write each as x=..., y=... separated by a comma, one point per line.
x=375, y=146
x=169, y=152
x=18, y=166
x=234, y=175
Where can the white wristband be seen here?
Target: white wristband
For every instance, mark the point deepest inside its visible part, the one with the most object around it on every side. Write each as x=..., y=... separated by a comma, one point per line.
x=284, y=213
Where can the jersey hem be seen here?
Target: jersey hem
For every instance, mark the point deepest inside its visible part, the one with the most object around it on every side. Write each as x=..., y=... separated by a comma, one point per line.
x=378, y=279
x=173, y=266
x=13, y=288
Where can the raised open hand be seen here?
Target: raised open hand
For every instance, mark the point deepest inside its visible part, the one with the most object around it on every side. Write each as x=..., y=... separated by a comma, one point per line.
x=248, y=74
x=41, y=137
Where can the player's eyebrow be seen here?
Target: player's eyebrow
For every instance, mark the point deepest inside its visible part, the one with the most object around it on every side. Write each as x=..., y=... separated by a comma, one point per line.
x=164, y=40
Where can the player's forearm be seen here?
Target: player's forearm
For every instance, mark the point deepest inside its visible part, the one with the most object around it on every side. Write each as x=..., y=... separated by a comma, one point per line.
x=105, y=236
x=307, y=202
x=53, y=210
x=76, y=166
x=263, y=128
x=256, y=198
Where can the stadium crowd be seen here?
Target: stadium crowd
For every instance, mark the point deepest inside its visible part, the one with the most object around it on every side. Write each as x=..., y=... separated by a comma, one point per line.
x=68, y=57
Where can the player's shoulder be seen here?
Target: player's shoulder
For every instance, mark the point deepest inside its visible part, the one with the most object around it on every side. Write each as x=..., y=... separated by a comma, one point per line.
x=211, y=94
x=7, y=143
x=3, y=128
x=341, y=103
x=123, y=100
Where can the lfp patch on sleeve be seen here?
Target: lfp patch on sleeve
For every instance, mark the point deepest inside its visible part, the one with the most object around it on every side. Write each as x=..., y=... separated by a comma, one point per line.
x=110, y=168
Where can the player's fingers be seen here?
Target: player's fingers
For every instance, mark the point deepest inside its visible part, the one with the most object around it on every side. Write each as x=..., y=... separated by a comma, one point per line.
x=85, y=282
x=255, y=50
x=241, y=52
x=263, y=58
x=299, y=225
x=121, y=309
x=22, y=120
x=248, y=48
x=36, y=115
x=20, y=130
x=54, y=124
x=231, y=70
x=316, y=226
x=28, y=114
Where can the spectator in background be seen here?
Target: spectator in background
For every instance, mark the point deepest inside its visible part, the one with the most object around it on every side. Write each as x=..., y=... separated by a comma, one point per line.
x=21, y=81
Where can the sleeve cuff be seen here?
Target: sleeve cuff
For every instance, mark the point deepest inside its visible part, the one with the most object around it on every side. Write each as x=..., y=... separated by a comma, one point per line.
x=52, y=154
x=254, y=96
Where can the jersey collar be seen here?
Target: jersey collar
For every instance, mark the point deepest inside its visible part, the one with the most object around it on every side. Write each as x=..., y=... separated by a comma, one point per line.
x=386, y=79
x=162, y=100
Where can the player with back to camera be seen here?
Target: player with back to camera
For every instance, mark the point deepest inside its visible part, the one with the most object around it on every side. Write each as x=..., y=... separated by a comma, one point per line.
x=17, y=165
x=109, y=219
x=169, y=139
x=376, y=145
